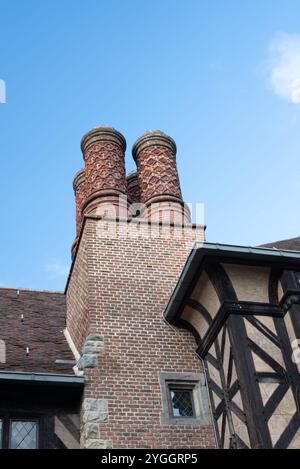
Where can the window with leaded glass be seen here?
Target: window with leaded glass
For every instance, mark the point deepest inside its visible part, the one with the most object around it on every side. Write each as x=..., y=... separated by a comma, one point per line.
x=23, y=434
x=184, y=399
x=19, y=433
x=181, y=402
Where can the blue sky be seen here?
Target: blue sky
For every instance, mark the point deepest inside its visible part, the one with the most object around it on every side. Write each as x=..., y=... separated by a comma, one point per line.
x=222, y=77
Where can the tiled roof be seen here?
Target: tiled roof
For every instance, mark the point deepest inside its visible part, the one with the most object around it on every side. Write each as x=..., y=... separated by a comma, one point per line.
x=288, y=244
x=40, y=329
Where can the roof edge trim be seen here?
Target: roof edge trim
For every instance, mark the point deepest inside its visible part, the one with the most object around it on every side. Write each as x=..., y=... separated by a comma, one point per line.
x=223, y=251
x=42, y=378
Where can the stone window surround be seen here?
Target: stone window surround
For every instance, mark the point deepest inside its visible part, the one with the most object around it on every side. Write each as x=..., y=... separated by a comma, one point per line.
x=197, y=382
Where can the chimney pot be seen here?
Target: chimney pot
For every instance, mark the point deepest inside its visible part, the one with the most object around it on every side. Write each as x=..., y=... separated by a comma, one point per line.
x=102, y=133
x=103, y=151
x=155, y=156
x=153, y=138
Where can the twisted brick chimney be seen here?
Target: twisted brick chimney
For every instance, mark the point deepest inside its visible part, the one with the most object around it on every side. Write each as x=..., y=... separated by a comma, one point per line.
x=153, y=191
x=103, y=151
x=155, y=156
x=80, y=195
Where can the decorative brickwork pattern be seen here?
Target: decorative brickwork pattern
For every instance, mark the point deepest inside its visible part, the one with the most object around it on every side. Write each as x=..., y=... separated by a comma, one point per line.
x=103, y=150
x=105, y=168
x=155, y=154
x=80, y=196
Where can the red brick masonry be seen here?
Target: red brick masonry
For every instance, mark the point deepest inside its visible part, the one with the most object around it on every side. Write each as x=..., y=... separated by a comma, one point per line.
x=123, y=286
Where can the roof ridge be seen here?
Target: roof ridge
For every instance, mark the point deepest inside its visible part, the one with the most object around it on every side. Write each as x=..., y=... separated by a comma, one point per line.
x=281, y=242
x=2, y=287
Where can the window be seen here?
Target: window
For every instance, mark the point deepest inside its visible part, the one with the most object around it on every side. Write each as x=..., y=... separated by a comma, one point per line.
x=181, y=402
x=19, y=433
x=184, y=399
x=23, y=434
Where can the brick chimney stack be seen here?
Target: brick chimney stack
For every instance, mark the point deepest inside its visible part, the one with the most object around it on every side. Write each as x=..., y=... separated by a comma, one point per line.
x=80, y=195
x=120, y=282
x=103, y=151
x=153, y=191
x=155, y=156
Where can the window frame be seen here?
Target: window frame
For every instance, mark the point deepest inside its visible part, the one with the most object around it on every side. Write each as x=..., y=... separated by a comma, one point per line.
x=194, y=382
x=176, y=386
x=8, y=418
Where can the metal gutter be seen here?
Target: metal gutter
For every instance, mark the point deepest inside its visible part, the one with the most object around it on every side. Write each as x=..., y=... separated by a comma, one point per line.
x=42, y=379
x=239, y=254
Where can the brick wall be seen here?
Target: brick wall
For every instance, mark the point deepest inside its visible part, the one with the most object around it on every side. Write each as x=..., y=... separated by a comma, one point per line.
x=119, y=287
x=77, y=296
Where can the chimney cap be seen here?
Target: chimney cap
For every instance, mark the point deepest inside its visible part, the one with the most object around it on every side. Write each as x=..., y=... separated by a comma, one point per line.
x=103, y=133
x=151, y=138
x=78, y=179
